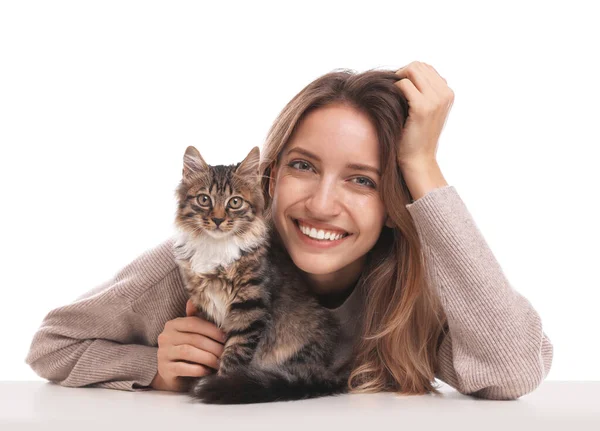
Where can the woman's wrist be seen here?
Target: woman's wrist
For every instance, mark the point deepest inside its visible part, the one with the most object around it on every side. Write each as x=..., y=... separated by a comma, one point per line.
x=422, y=177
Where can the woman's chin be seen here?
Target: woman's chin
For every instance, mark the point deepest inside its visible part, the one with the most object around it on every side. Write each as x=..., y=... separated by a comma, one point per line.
x=315, y=264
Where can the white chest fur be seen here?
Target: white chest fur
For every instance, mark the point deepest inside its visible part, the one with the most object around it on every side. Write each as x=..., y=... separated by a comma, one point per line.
x=203, y=255
x=206, y=253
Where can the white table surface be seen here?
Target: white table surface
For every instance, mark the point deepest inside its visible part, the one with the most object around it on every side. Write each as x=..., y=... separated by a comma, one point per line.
x=44, y=405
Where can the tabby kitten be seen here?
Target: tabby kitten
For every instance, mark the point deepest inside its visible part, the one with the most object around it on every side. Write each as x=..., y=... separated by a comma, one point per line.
x=280, y=341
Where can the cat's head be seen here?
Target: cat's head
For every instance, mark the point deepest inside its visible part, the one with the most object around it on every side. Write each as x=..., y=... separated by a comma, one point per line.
x=219, y=200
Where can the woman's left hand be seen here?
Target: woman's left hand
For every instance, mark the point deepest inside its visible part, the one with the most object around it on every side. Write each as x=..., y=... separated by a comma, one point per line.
x=430, y=100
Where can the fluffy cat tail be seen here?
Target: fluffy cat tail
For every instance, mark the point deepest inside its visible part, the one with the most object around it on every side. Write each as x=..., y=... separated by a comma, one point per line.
x=260, y=386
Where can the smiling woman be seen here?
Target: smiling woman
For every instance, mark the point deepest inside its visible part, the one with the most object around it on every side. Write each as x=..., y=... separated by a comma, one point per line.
x=329, y=165
x=332, y=166
x=380, y=238
x=326, y=181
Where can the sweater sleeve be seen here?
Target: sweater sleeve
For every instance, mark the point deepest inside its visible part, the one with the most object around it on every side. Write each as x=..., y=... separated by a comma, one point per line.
x=495, y=347
x=108, y=336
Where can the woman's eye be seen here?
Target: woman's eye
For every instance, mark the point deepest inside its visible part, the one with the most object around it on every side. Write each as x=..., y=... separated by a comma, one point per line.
x=302, y=165
x=364, y=182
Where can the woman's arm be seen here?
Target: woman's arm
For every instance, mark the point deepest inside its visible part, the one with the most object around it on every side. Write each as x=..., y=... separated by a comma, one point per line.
x=496, y=347
x=108, y=336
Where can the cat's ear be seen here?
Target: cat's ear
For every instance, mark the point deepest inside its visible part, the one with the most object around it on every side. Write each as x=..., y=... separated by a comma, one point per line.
x=193, y=161
x=248, y=167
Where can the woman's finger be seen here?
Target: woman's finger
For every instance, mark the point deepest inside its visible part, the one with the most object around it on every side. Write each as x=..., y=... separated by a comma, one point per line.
x=198, y=325
x=199, y=341
x=416, y=74
x=184, y=369
x=192, y=354
x=436, y=81
x=434, y=69
x=190, y=308
x=411, y=93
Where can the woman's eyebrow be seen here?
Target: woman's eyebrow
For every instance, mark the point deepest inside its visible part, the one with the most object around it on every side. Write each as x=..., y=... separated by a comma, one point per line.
x=355, y=166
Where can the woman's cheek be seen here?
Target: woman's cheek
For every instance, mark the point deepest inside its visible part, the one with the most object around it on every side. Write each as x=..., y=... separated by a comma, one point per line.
x=368, y=211
x=295, y=187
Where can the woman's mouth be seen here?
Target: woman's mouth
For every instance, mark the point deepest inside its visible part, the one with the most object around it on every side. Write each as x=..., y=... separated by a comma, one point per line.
x=319, y=237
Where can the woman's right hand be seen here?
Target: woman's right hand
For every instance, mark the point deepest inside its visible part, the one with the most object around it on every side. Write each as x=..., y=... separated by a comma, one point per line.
x=191, y=339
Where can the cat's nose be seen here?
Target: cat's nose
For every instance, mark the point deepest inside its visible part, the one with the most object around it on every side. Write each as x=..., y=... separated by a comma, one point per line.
x=217, y=220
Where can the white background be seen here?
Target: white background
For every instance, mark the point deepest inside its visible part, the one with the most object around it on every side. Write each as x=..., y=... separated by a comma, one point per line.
x=98, y=101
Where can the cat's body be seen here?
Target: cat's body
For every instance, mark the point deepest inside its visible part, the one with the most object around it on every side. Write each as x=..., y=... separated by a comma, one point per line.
x=280, y=341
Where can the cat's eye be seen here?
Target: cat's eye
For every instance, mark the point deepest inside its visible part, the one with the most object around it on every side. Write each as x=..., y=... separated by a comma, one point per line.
x=204, y=200
x=235, y=202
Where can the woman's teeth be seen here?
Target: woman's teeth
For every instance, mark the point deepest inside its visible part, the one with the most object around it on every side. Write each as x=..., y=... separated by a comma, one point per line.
x=321, y=234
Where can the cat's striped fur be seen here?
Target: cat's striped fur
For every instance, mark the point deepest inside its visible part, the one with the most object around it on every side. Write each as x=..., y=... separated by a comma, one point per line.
x=280, y=340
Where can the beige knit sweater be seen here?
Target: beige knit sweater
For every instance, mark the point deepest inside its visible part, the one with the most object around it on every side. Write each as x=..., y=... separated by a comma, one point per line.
x=495, y=349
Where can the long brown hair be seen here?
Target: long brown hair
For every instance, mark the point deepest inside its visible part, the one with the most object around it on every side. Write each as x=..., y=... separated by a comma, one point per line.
x=402, y=317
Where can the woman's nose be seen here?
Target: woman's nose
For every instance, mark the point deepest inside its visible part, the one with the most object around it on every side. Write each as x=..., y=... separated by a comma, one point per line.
x=324, y=201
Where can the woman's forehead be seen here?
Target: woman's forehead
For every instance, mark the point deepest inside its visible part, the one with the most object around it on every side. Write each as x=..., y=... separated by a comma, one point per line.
x=336, y=131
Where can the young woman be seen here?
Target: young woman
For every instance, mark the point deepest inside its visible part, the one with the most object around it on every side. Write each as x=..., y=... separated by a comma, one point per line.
x=418, y=290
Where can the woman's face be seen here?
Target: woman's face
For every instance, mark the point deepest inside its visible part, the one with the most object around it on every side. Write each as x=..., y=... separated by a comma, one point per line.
x=326, y=184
